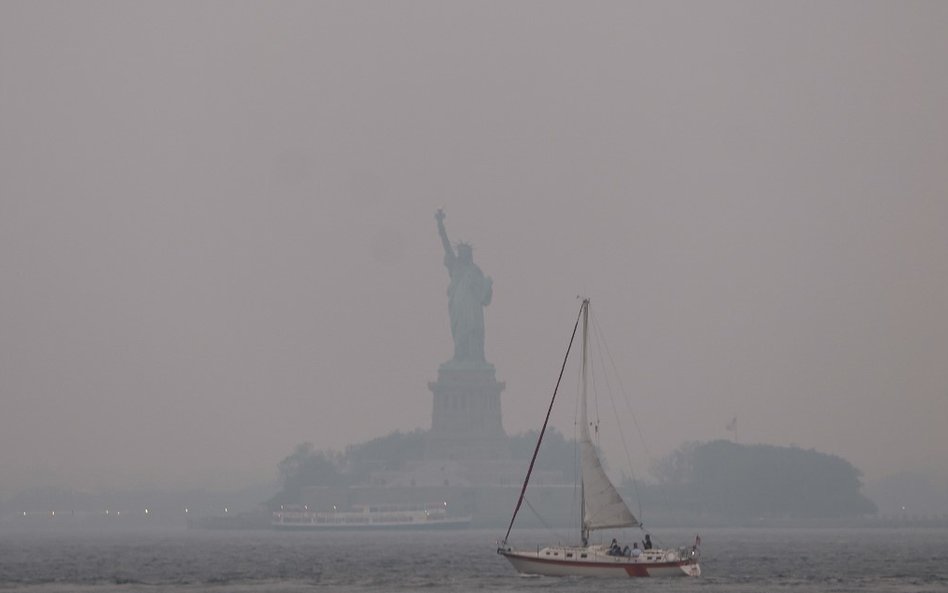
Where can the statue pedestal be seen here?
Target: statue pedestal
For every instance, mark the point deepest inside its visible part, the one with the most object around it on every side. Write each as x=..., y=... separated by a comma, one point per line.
x=466, y=416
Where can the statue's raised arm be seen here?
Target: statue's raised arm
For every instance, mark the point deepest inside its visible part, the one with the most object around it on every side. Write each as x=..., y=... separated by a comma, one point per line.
x=448, y=250
x=468, y=293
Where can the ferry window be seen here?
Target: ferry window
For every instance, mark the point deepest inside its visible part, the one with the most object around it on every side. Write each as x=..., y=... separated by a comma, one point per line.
x=570, y=555
x=582, y=555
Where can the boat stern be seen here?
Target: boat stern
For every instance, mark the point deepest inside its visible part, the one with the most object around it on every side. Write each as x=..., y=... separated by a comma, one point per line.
x=691, y=570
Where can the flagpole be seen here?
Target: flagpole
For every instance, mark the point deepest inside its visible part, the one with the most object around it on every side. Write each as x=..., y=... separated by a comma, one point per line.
x=732, y=427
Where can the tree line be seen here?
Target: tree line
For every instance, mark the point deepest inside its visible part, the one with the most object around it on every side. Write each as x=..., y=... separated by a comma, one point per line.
x=734, y=480
x=718, y=478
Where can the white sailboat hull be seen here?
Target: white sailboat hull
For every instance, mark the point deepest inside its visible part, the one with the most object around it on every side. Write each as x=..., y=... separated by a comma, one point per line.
x=594, y=562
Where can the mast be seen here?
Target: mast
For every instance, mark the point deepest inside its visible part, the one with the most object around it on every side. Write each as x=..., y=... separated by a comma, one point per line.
x=603, y=507
x=584, y=421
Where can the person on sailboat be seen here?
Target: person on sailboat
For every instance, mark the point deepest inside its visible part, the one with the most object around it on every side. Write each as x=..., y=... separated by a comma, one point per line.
x=636, y=552
x=647, y=544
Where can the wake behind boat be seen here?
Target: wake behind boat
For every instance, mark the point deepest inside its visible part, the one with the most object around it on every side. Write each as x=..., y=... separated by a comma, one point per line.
x=602, y=507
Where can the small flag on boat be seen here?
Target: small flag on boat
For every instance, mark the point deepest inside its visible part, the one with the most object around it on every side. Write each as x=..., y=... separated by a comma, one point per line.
x=732, y=425
x=697, y=541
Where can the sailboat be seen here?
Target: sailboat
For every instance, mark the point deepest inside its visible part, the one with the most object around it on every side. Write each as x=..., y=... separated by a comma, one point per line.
x=602, y=507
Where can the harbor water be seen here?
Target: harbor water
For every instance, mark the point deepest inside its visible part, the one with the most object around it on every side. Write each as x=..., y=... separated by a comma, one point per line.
x=181, y=560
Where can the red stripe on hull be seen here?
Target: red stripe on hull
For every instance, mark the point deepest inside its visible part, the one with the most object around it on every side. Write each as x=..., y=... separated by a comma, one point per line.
x=636, y=570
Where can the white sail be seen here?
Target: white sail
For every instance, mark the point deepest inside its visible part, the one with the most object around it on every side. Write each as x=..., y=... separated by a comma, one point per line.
x=603, y=507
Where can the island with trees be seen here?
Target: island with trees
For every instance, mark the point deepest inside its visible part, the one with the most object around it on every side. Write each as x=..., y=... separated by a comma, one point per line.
x=717, y=482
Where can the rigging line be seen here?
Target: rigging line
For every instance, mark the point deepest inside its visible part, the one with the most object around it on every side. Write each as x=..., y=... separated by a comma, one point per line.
x=595, y=390
x=577, y=512
x=600, y=340
x=526, y=501
x=546, y=420
x=576, y=476
x=622, y=389
x=576, y=402
x=578, y=492
x=635, y=420
x=591, y=363
x=603, y=346
x=592, y=384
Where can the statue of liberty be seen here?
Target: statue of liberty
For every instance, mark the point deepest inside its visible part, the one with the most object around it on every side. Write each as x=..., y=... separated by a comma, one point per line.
x=469, y=292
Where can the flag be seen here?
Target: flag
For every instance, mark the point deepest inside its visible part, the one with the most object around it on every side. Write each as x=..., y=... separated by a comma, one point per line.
x=697, y=541
x=732, y=425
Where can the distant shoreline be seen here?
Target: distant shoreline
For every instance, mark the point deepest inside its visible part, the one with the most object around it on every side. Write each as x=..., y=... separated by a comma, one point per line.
x=260, y=522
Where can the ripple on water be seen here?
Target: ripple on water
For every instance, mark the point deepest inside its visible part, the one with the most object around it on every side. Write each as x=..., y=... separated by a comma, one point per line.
x=798, y=561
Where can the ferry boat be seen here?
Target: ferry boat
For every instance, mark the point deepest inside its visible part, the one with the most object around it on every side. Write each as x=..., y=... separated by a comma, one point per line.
x=370, y=517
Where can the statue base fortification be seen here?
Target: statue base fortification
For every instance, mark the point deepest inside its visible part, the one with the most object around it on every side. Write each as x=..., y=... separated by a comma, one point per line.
x=466, y=416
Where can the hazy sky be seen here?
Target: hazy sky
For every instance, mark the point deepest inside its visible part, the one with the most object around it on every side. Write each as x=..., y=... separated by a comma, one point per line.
x=217, y=236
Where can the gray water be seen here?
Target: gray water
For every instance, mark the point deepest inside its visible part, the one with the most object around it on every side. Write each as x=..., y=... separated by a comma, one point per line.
x=791, y=560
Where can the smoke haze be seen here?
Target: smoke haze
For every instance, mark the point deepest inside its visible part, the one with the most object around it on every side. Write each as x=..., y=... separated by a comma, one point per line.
x=217, y=236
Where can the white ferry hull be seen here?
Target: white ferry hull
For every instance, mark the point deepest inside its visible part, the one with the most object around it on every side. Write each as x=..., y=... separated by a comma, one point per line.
x=370, y=518
x=597, y=565
x=455, y=523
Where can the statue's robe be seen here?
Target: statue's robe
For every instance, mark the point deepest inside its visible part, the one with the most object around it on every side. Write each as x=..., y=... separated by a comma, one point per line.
x=468, y=294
